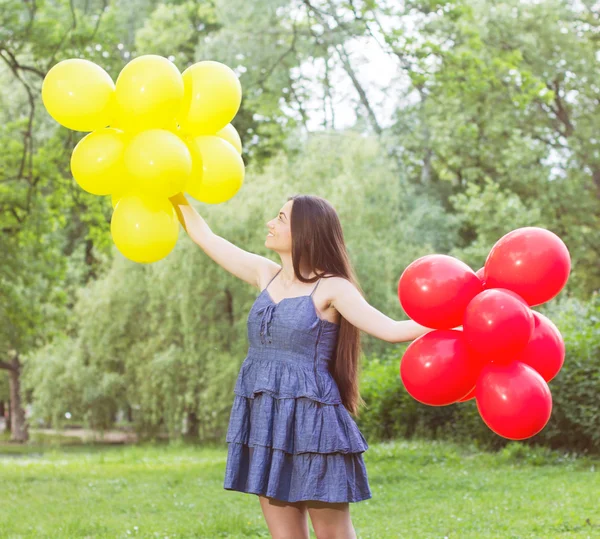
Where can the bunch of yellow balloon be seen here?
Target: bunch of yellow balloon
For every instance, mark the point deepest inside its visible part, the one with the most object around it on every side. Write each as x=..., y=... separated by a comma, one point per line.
x=155, y=133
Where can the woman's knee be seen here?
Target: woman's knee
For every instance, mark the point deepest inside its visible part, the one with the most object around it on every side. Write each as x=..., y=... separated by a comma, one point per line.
x=285, y=520
x=331, y=520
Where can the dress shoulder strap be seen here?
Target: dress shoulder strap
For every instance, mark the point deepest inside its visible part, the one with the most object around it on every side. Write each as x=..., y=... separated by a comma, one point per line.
x=273, y=278
x=313, y=290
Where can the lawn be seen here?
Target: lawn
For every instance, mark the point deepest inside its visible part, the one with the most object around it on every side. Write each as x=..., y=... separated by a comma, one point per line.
x=420, y=490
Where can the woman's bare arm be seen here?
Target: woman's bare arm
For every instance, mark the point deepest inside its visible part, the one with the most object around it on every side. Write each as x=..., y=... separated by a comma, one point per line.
x=348, y=301
x=247, y=266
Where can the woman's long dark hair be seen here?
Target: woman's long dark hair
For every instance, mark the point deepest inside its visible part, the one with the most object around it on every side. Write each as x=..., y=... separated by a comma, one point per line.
x=318, y=242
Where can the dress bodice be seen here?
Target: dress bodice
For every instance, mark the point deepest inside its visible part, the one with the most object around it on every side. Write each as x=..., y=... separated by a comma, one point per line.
x=291, y=326
x=290, y=350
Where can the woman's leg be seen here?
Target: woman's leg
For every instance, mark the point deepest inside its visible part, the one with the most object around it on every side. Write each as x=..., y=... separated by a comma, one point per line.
x=285, y=520
x=331, y=520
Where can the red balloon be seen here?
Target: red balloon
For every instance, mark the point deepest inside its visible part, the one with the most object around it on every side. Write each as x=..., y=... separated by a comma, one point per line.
x=531, y=261
x=470, y=395
x=513, y=400
x=498, y=325
x=545, y=351
x=434, y=290
x=437, y=368
x=516, y=296
x=481, y=273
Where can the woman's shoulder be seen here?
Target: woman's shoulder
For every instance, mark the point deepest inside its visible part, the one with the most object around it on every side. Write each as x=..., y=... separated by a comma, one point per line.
x=267, y=272
x=333, y=278
x=338, y=285
x=333, y=285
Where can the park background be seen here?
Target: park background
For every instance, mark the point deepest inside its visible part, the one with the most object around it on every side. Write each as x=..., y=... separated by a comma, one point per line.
x=432, y=127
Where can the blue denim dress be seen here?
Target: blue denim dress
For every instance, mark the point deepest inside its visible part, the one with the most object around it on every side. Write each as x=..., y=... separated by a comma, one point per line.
x=289, y=435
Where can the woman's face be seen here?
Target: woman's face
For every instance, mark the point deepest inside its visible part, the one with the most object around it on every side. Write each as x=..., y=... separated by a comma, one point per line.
x=279, y=236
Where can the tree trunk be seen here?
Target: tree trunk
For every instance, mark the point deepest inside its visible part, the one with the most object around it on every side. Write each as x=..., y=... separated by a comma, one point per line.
x=192, y=425
x=8, y=415
x=18, y=426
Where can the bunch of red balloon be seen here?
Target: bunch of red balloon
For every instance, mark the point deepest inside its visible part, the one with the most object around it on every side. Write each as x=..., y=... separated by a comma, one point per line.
x=506, y=353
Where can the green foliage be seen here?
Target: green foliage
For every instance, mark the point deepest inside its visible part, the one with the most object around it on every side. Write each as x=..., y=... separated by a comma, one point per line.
x=503, y=130
x=43, y=214
x=486, y=213
x=576, y=412
x=60, y=383
x=390, y=412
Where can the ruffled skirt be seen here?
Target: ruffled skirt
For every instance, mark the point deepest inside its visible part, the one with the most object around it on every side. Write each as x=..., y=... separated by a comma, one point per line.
x=285, y=443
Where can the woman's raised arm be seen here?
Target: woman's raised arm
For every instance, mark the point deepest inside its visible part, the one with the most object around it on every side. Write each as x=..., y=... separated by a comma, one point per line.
x=245, y=265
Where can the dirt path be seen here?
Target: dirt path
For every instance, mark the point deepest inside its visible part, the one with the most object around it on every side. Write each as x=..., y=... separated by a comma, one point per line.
x=86, y=435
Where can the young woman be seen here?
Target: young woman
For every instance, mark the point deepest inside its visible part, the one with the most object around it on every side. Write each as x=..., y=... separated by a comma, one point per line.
x=291, y=438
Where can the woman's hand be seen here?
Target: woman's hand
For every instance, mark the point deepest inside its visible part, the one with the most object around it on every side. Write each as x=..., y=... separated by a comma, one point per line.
x=409, y=330
x=177, y=201
x=191, y=221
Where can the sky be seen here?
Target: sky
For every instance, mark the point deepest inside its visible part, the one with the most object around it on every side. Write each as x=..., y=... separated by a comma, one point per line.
x=377, y=71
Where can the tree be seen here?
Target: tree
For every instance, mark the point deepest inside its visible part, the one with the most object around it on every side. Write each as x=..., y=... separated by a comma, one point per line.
x=506, y=116
x=44, y=216
x=47, y=221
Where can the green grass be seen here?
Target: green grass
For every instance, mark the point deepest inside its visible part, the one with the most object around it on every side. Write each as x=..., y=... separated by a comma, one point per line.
x=420, y=490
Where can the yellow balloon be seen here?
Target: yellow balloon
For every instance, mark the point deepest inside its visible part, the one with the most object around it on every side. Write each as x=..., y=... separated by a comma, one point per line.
x=175, y=128
x=127, y=187
x=149, y=93
x=218, y=170
x=212, y=97
x=117, y=123
x=114, y=199
x=159, y=163
x=97, y=161
x=230, y=134
x=144, y=229
x=79, y=94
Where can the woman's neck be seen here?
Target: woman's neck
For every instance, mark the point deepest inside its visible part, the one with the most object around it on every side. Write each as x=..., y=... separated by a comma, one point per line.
x=288, y=277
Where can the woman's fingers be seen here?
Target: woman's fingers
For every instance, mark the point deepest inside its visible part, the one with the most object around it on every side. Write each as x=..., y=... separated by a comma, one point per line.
x=179, y=200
